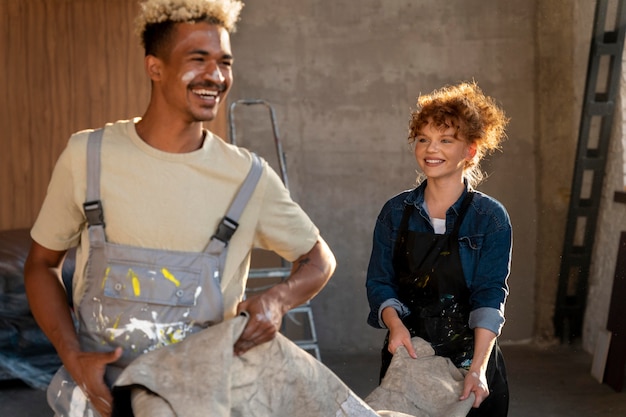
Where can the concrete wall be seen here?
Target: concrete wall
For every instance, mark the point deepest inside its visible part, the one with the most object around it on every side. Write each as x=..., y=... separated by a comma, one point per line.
x=343, y=76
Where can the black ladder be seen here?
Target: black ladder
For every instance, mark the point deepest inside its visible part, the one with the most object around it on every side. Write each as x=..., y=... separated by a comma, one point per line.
x=299, y=326
x=601, y=88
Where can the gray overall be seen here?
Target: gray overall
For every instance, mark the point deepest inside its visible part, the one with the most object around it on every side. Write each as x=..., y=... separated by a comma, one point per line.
x=141, y=299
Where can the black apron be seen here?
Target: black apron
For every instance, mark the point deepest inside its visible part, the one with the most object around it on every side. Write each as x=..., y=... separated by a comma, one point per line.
x=432, y=285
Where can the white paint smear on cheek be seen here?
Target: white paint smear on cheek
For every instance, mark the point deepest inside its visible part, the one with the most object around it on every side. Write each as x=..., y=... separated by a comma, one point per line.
x=188, y=76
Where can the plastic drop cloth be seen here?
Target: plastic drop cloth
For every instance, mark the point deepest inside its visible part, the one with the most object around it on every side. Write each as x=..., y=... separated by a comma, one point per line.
x=25, y=352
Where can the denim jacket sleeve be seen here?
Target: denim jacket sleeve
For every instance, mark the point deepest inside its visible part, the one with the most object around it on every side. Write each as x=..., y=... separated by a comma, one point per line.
x=485, y=249
x=381, y=287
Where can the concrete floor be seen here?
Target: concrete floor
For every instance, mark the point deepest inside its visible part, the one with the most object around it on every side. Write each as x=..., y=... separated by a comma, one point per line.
x=550, y=381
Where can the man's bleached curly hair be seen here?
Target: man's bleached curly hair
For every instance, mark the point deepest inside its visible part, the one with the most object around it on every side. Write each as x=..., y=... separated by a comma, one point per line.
x=474, y=116
x=157, y=17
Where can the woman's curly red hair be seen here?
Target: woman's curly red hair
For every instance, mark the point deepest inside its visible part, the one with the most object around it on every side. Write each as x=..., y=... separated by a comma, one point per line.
x=475, y=117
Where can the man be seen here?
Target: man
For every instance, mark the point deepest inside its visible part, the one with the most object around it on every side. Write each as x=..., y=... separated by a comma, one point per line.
x=165, y=185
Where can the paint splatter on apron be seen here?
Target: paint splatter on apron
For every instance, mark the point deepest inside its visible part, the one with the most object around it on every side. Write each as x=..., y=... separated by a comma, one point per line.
x=142, y=299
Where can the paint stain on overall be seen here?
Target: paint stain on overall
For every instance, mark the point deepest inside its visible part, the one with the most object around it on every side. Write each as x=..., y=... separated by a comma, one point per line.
x=170, y=277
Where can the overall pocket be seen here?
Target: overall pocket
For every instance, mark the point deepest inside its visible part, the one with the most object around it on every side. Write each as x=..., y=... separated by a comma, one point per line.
x=143, y=299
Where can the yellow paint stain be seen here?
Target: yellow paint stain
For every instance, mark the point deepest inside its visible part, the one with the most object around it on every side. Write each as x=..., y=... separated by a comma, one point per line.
x=115, y=326
x=135, y=281
x=136, y=287
x=424, y=282
x=106, y=275
x=176, y=336
x=170, y=277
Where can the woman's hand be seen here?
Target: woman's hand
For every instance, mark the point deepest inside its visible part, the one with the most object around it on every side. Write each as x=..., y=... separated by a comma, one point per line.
x=398, y=333
x=476, y=380
x=477, y=383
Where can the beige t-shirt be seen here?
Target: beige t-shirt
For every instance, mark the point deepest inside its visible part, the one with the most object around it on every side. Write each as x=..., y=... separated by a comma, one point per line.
x=161, y=200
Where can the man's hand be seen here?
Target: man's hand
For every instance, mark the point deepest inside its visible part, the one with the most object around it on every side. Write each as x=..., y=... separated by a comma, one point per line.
x=309, y=273
x=88, y=369
x=48, y=303
x=263, y=324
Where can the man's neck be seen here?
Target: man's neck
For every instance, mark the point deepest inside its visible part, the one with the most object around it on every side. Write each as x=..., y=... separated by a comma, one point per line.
x=170, y=134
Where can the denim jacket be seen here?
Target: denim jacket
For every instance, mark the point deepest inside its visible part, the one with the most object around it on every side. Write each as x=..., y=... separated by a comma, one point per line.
x=485, y=241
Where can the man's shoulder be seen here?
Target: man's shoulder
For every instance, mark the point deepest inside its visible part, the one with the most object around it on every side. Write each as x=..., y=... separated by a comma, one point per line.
x=214, y=143
x=233, y=158
x=114, y=129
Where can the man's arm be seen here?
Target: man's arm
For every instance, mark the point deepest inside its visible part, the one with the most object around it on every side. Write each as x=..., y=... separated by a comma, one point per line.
x=309, y=275
x=48, y=303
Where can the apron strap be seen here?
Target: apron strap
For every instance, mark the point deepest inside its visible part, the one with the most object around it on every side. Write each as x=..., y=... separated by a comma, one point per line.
x=408, y=210
x=462, y=211
x=404, y=227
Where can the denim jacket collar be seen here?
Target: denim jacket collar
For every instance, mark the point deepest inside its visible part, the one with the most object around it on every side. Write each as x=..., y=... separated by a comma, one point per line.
x=416, y=198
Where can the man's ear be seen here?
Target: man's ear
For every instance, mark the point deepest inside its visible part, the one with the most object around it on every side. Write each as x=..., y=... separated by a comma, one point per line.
x=153, y=67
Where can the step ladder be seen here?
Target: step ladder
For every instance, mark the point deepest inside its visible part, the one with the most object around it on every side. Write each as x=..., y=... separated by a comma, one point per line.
x=298, y=323
x=602, y=86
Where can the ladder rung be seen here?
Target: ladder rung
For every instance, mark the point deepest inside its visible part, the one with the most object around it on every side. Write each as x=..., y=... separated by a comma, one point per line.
x=573, y=302
x=577, y=256
x=600, y=108
x=607, y=48
x=304, y=308
x=584, y=208
x=269, y=273
x=593, y=162
x=307, y=346
x=311, y=347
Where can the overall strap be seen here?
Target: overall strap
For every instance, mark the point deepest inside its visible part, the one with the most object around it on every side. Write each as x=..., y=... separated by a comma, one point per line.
x=93, y=205
x=227, y=227
x=229, y=223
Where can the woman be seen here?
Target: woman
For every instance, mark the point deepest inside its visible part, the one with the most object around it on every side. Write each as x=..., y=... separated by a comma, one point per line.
x=441, y=252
